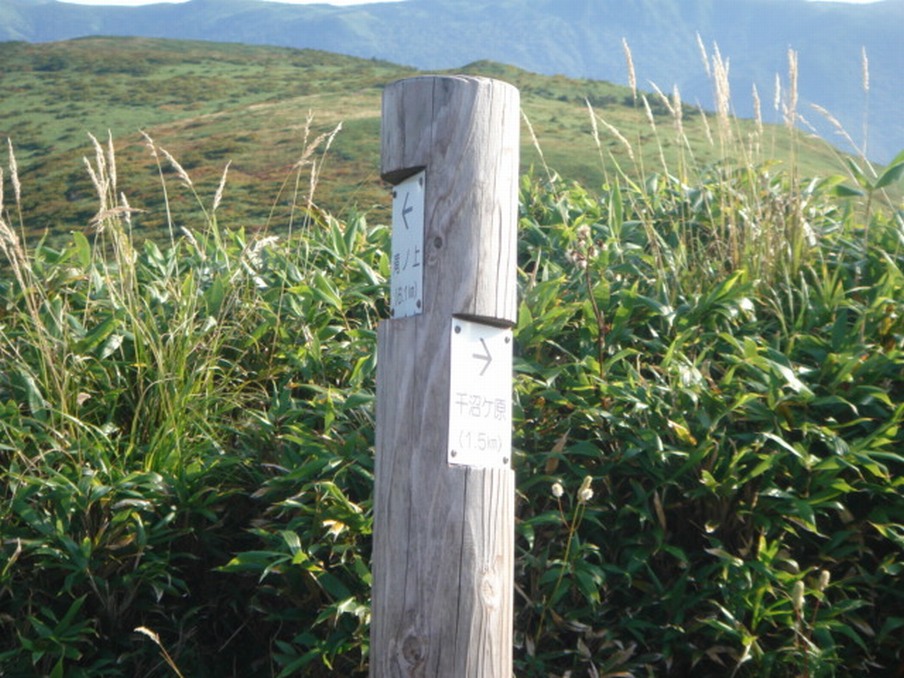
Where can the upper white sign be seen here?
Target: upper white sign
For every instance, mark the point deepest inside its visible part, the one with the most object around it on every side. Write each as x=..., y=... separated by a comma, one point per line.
x=407, y=274
x=480, y=395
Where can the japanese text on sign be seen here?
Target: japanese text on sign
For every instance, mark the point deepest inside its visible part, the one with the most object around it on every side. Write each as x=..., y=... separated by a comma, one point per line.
x=480, y=403
x=407, y=274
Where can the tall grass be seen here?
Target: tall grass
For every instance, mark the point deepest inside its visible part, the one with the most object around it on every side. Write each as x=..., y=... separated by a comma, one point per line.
x=705, y=343
x=160, y=402
x=744, y=211
x=708, y=405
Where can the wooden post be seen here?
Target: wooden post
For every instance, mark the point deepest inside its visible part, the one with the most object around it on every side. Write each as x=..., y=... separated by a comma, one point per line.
x=444, y=531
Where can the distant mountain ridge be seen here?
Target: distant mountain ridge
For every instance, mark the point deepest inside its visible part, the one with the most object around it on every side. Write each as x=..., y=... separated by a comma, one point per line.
x=577, y=38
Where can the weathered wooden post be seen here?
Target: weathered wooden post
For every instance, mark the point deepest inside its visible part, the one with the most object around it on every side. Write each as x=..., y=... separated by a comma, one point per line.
x=444, y=501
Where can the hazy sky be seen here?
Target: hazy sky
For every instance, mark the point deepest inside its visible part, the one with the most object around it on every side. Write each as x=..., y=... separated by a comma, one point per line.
x=289, y=2
x=329, y=2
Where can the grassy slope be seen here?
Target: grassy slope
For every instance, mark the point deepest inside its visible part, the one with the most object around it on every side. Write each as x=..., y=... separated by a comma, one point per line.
x=186, y=431
x=210, y=103
x=580, y=38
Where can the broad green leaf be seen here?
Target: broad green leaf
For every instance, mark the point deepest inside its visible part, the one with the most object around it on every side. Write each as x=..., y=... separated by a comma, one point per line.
x=858, y=174
x=890, y=175
x=843, y=191
x=82, y=249
x=326, y=291
x=97, y=335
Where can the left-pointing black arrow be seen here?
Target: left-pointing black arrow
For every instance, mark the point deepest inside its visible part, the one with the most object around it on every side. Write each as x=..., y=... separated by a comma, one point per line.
x=406, y=210
x=486, y=357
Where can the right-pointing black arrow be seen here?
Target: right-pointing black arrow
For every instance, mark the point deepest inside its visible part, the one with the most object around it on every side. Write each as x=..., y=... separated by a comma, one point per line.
x=487, y=358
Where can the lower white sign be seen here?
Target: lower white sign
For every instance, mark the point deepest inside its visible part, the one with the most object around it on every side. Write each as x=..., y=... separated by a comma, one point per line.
x=480, y=395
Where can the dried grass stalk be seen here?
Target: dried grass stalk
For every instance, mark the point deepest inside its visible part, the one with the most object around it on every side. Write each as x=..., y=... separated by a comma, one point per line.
x=632, y=75
x=790, y=109
x=218, y=196
x=14, y=173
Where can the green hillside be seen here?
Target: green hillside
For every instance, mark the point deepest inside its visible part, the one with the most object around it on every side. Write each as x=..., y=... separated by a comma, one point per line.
x=708, y=378
x=209, y=104
x=578, y=38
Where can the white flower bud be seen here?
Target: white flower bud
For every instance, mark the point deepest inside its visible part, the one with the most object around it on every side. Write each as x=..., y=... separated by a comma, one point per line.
x=585, y=493
x=797, y=595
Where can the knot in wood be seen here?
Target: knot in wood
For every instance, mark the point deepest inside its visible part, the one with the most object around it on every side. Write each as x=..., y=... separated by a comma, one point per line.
x=489, y=594
x=413, y=650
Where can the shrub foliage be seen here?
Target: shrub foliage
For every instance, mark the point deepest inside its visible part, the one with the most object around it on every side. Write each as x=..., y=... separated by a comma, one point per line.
x=709, y=398
x=742, y=435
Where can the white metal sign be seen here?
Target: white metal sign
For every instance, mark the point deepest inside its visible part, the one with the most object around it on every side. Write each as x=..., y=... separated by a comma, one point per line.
x=480, y=398
x=407, y=276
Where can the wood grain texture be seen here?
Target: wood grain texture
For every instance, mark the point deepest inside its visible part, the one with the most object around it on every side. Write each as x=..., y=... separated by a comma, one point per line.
x=443, y=559
x=444, y=535
x=464, y=132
